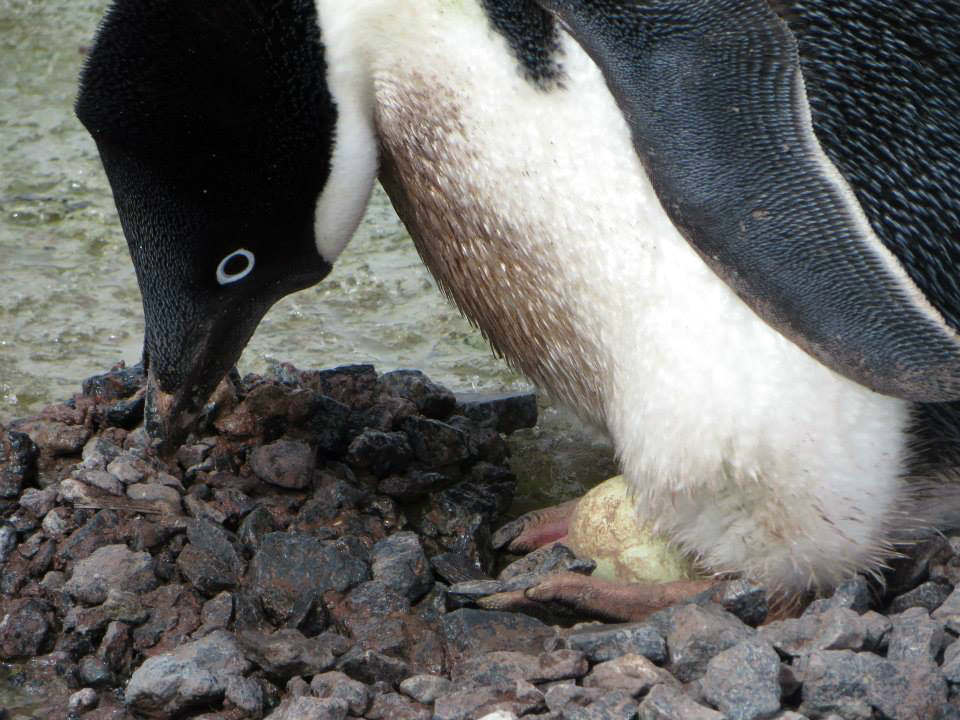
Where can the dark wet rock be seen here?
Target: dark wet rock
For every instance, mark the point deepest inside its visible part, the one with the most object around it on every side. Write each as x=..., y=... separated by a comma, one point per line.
x=18, y=462
x=854, y=684
x=353, y=385
x=853, y=594
x=56, y=439
x=82, y=700
x=745, y=600
x=245, y=694
x=118, y=383
x=633, y=674
x=194, y=674
x=667, y=702
x=468, y=632
x=430, y=398
x=483, y=443
x=286, y=653
x=392, y=706
x=533, y=568
x=337, y=685
x=435, y=444
x=425, y=688
x=324, y=420
x=605, y=642
x=455, y=568
x=209, y=561
x=284, y=463
x=24, y=629
x=519, y=697
x=369, y=666
x=381, y=452
x=399, y=562
x=412, y=484
x=292, y=570
x=505, y=412
x=111, y=566
x=912, y=569
x=744, y=681
x=928, y=595
x=94, y=671
x=254, y=527
x=915, y=637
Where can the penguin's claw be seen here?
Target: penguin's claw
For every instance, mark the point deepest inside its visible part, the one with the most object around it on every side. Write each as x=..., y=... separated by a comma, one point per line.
x=585, y=595
x=535, y=529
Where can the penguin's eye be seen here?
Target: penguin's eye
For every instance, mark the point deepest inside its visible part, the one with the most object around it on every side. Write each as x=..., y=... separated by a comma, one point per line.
x=235, y=266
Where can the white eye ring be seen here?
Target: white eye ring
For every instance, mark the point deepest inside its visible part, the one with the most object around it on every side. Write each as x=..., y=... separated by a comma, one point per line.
x=225, y=278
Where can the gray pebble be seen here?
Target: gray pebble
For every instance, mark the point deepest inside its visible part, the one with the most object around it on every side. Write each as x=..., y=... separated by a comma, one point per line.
x=744, y=681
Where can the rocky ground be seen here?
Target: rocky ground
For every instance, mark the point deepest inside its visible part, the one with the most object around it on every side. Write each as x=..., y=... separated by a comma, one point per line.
x=317, y=550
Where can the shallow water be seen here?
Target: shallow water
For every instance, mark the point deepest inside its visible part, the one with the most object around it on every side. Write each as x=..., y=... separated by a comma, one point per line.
x=70, y=307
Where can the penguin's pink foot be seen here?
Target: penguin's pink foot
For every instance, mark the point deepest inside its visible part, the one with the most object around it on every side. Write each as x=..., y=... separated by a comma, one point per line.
x=535, y=529
x=587, y=596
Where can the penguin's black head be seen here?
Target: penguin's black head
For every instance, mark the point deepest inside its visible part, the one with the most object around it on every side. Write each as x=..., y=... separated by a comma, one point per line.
x=216, y=127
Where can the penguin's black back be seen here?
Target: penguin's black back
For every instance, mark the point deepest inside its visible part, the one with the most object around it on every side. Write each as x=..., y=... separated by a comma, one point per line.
x=883, y=80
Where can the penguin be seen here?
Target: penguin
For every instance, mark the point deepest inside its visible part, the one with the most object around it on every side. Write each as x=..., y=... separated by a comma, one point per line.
x=725, y=232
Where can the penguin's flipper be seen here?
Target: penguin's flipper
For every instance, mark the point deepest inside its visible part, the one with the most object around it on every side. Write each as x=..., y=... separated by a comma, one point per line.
x=716, y=103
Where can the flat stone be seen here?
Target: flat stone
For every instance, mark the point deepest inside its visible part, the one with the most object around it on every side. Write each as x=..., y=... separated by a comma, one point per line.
x=370, y=666
x=949, y=611
x=853, y=594
x=928, y=595
x=284, y=463
x=561, y=697
x=612, y=705
x=668, y=702
x=606, y=642
x=519, y=698
x=743, y=682
x=294, y=570
x=915, y=636
x=634, y=674
x=218, y=611
x=425, y=688
x=338, y=685
x=310, y=708
x=854, y=684
x=469, y=631
x=257, y=524
x=246, y=694
x=111, y=566
x=287, y=652
x=497, y=667
x=506, y=412
x=39, y=502
x=157, y=493
x=194, y=674
x=393, y=706
x=128, y=469
x=835, y=628
x=699, y=633
x=399, y=562
x=102, y=480
x=119, y=605
x=115, y=646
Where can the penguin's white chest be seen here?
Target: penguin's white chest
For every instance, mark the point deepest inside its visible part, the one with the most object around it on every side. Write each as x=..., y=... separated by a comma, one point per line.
x=532, y=210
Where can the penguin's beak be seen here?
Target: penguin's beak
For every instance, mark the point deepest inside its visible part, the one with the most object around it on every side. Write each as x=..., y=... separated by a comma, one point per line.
x=187, y=354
